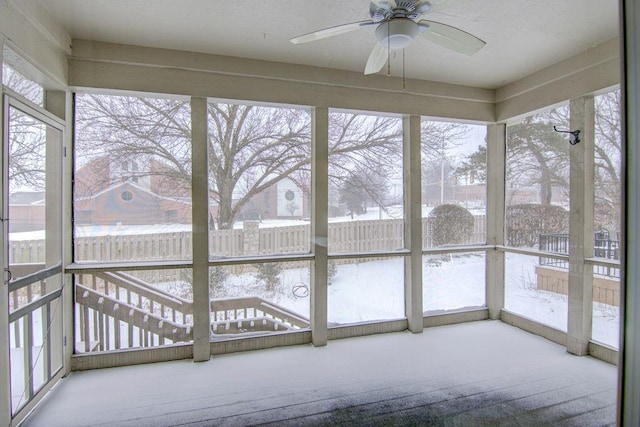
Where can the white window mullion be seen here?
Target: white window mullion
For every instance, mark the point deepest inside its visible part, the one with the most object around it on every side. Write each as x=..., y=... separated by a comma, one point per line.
x=495, y=260
x=319, y=225
x=54, y=252
x=200, y=220
x=413, y=223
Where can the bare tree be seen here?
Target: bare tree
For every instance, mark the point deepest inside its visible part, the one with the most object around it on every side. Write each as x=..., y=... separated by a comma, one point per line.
x=122, y=129
x=27, y=139
x=440, y=140
x=608, y=160
x=251, y=147
x=27, y=136
x=15, y=81
x=365, y=155
x=440, y=143
x=361, y=187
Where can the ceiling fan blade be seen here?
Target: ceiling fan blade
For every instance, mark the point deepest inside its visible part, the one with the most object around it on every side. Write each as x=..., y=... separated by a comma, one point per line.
x=381, y=3
x=377, y=59
x=330, y=32
x=438, y=5
x=450, y=37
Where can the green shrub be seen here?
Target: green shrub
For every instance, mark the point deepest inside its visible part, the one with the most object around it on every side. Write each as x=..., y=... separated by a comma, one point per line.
x=525, y=223
x=268, y=273
x=451, y=225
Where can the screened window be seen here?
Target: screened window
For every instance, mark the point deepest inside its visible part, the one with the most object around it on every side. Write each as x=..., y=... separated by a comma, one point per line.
x=607, y=217
x=537, y=217
x=132, y=180
x=259, y=205
x=454, y=183
x=366, y=214
x=259, y=180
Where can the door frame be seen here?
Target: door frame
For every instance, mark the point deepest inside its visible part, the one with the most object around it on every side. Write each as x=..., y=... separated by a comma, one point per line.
x=13, y=100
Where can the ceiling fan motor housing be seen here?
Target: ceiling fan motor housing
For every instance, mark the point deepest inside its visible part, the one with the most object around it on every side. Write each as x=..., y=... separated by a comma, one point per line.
x=397, y=33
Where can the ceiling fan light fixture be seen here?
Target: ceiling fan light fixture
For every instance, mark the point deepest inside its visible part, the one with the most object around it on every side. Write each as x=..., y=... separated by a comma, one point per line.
x=397, y=33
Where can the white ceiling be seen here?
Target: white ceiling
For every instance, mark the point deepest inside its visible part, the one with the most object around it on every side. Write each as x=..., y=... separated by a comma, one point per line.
x=522, y=36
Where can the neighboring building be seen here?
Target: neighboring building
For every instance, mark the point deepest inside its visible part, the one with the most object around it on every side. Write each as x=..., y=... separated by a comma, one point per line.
x=26, y=211
x=128, y=203
x=283, y=200
x=127, y=193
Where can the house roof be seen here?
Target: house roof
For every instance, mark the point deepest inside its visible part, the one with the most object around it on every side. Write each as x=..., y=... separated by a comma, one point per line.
x=27, y=198
x=134, y=186
x=523, y=36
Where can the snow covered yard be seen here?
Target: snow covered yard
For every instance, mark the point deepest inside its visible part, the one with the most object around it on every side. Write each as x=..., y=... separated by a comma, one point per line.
x=374, y=290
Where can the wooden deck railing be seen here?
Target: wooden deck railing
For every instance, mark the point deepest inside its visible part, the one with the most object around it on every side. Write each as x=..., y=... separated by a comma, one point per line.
x=252, y=314
x=110, y=315
x=117, y=310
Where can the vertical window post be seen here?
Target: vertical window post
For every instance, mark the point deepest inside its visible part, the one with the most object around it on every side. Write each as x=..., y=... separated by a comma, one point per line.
x=319, y=224
x=413, y=223
x=495, y=275
x=200, y=219
x=55, y=199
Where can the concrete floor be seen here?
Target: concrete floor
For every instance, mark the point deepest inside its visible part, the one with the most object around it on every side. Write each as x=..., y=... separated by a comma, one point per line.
x=474, y=374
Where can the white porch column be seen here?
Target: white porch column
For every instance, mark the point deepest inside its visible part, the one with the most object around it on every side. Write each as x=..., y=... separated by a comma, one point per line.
x=200, y=221
x=629, y=365
x=496, y=177
x=413, y=223
x=581, y=175
x=319, y=224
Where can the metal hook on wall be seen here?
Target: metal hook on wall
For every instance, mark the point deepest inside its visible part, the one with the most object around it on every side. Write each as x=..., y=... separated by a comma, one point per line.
x=575, y=133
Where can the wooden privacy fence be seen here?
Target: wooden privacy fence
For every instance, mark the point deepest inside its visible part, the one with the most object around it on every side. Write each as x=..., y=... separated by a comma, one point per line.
x=344, y=237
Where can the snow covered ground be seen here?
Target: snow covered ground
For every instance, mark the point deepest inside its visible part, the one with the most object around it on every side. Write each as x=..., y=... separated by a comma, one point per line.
x=549, y=308
x=374, y=290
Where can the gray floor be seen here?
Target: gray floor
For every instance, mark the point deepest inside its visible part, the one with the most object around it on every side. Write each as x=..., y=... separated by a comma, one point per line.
x=475, y=374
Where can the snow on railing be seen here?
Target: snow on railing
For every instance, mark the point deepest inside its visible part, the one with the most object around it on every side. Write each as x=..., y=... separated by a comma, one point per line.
x=116, y=310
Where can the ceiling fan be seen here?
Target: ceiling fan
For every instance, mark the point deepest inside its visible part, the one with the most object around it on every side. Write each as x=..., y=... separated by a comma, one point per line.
x=397, y=25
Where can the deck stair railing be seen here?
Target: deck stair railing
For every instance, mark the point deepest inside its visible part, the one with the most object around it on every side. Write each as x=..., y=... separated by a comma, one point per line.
x=142, y=328
x=117, y=310
x=252, y=314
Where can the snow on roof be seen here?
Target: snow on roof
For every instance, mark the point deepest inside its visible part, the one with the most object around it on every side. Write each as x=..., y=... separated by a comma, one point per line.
x=185, y=200
x=129, y=230
x=26, y=198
